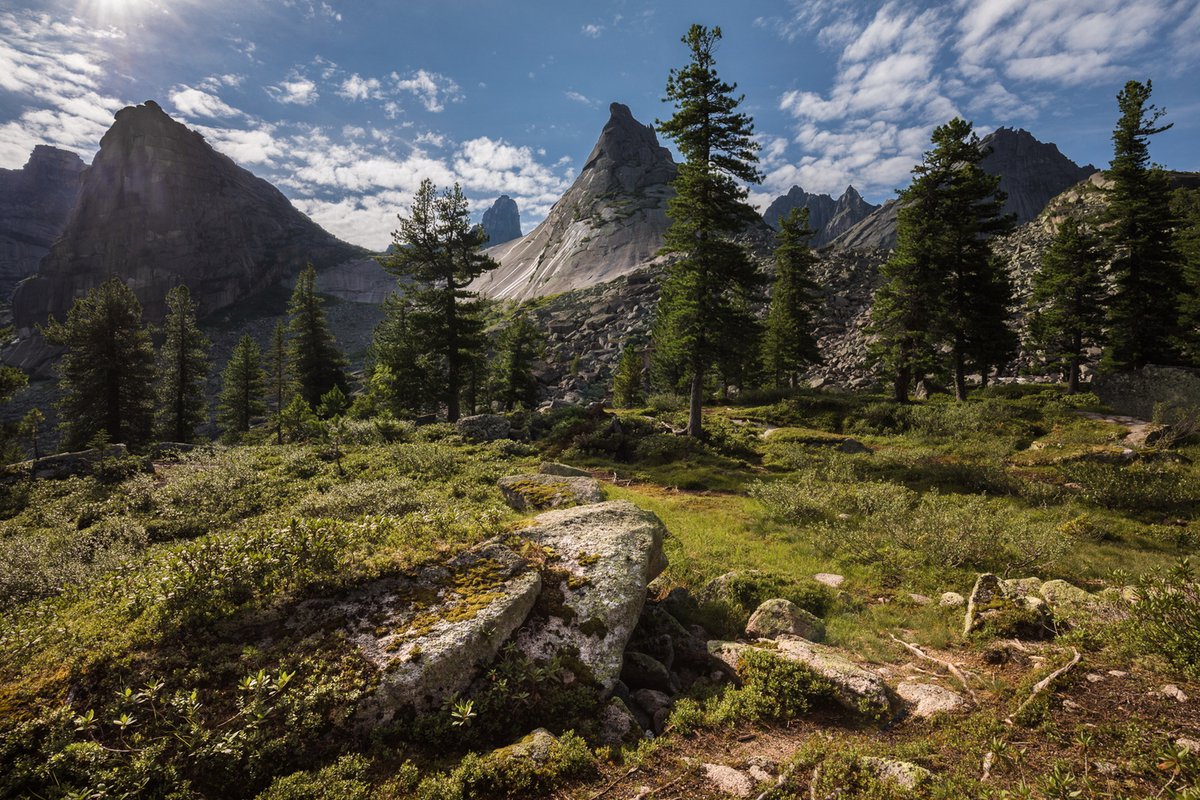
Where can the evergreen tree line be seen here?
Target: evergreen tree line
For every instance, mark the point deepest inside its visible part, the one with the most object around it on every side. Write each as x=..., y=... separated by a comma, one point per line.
x=1128, y=281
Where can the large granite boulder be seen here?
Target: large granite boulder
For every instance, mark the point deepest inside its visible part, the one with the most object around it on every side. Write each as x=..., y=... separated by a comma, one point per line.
x=598, y=560
x=159, y=207
x=777, y=617
x=855, y=687
x=540, y=492
x=483, y=427
x=35, y=202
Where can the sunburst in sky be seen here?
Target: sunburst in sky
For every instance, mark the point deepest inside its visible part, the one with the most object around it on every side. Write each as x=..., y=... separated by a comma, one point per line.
x=346, y=106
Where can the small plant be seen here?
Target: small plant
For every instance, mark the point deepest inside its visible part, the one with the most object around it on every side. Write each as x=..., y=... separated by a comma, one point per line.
x=1165, y=620
x=462, y=712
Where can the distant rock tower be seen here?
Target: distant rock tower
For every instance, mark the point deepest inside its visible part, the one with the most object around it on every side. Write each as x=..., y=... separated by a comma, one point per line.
x=502, y=221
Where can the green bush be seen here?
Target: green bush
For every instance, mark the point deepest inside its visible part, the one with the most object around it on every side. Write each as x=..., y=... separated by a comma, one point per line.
x=345, y=779
x=42, y=563
x=773, y=688
x=1165, y=620
x=516, y=771
x=1142, y=485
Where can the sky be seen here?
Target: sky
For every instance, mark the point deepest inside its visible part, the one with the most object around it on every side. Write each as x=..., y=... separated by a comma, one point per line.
x=346, y=105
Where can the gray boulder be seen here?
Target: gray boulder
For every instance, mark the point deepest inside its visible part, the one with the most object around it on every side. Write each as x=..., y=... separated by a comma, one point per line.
x=599, y=559
x=618, y=725
x=855, y=688
x=539, y=492
x=1009, y=604
x=779, y=616
x=427, y=635
x=928, y=699
x=483, y=427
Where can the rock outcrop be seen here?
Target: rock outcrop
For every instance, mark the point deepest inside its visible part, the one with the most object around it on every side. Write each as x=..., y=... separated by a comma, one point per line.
x=539, y=492
x=35, y=202
x=502, y=222
x=159, y=207
x=610, y=222
x=828, y=217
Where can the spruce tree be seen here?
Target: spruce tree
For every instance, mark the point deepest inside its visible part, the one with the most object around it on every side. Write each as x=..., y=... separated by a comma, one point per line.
x=107, y=373
x=31, y=427
x=1067, y=300
x=1185, y=204
x=241, y=390
x=279, y=384
x=519, y=344
x=314, y=360
x=1146, y=267
x=627, y=385
x=400, y=347
x=182, y=370
x=437, y=254
x=789, y=344
x=942, y=286
x=709, y=291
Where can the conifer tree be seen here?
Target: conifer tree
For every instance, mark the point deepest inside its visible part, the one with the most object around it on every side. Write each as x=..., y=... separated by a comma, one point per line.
x=241, y=390
x=709, y=291
x=314, y=360
x=107, y=374
x=437, y=252
x=31, y=427
x=1067, y=301
x=627, y=385
x=1185, y=204
x=1146, y=267
x=279, y=384
x=942, y=286
x=400, y=348
x=182, y=370
x=789, y=344
x=518, y=346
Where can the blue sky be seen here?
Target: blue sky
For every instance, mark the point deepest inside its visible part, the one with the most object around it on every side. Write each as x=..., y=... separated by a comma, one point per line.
x=347, y=105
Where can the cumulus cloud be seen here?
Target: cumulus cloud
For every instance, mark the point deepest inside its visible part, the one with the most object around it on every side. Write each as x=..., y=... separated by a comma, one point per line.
x=359, y=88
x=433, y=89
x=191, y=102
x=296, y=89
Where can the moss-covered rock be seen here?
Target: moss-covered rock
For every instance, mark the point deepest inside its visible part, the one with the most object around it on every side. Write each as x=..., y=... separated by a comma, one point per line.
x=779, y=616
x=541, y=492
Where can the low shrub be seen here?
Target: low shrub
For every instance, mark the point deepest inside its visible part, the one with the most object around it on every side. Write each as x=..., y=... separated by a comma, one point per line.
x=345, y=779
x=1142, y=485
x=1165, y=620
x=513, y=771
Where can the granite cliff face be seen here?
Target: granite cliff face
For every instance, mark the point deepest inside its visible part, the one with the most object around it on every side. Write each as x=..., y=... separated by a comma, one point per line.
x=502, y=221
x=1031, y=173
x=828, y=217
x=159, y=207
x=610, y=222
x=35, y=202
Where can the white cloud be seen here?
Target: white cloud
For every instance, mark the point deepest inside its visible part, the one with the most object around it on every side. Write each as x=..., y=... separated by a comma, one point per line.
x=592, y=30
x=582, y=99
x=433, y=89
x=296, y=89
x=192, y=102
x=359, y=88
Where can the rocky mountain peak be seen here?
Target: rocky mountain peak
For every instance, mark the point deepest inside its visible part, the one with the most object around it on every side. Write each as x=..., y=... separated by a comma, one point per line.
x=502, y=221
x=35, y=202
x=609, y=223
x=158, y=207
x=828, y=217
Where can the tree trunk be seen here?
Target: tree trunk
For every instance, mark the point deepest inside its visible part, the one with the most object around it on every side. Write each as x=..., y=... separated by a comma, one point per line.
x=1073, y=367
x=960, y=373
x=695, y=424
x=984, y=371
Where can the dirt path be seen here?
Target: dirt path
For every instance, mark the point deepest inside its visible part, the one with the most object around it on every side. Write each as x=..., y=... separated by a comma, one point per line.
x=1139, y=429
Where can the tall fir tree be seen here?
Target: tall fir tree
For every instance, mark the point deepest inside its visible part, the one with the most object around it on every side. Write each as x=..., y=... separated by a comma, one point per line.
x=519, y=344
x=1146, y=266
x=182, y=370
x=709, y=291
x=279, y=384
x=790, y=344
x=437, y=254
x=400, y=347
x=628, y=384
x=315, y=363
x=1066, y=304
x=242, y=388
x=1185, y=204
x=942, y=287
x=107, y=373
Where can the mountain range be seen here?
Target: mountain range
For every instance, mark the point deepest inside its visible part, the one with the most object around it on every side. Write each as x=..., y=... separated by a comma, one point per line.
x=828, y=217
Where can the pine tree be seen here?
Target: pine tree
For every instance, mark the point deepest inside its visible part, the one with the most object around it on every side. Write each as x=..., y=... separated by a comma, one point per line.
x=942, y=286
x=1185, y=204
x=437, y=251
x=1067, y=301
x=107, y=373
x=31, y=428
x=314, y=360
x=182, y=370
x=518, y=346
x=627, y=385
x=1146, y=269
x=400, y=347
x=708, y=292
x=279, y=383
x=241, y=390
x=789, y=344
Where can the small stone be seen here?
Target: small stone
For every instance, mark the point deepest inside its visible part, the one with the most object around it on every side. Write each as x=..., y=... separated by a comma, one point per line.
x=903, y=774
x=651, y=700
x=929, y=699
x=829, y=579
x=1188, y=744
x=641, y=671
x=759, y=774
x=729, y=780
x=618, y=725
x=1093, y=677
x=920, y=599
x=1173, y=692
x=779, y=616
x=1106, y=767
x=1117, y=673
x=952, y=600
